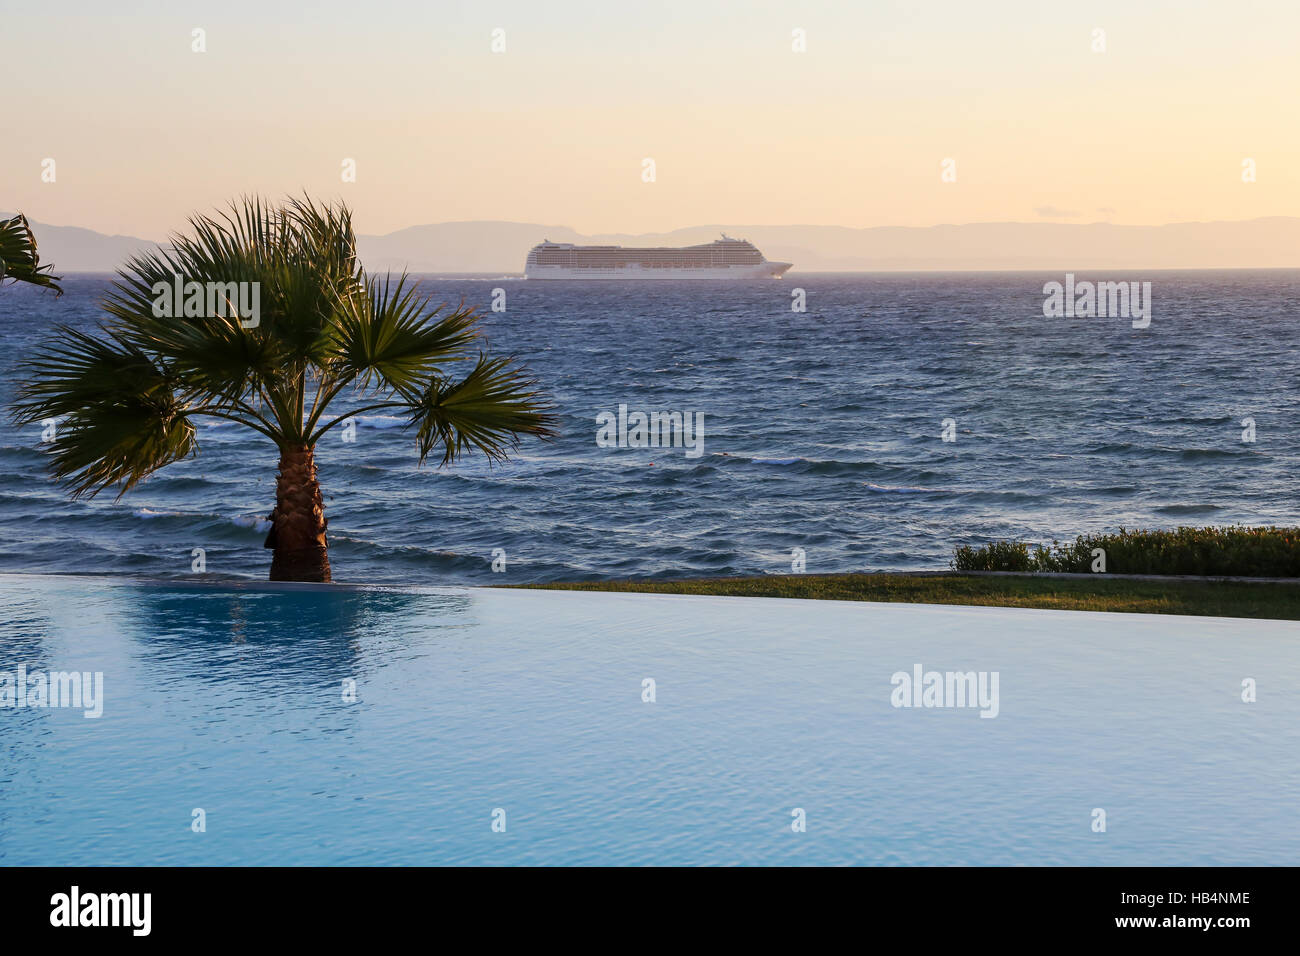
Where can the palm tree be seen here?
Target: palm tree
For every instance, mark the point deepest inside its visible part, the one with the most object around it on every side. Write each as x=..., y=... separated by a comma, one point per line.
x=129, y=395
x=18, y=258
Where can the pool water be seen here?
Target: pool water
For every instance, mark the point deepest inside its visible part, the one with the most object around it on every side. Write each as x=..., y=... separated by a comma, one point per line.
x=530, y=710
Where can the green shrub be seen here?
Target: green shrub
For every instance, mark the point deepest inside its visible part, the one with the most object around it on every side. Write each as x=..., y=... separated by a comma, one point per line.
x=1238, y=550
x=998, y=556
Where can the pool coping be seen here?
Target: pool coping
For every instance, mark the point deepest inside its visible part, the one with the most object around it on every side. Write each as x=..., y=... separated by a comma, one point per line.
x=255, y=584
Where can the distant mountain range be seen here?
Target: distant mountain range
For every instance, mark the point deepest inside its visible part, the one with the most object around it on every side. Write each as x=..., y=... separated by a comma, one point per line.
x=500, y=247
x=73, y=249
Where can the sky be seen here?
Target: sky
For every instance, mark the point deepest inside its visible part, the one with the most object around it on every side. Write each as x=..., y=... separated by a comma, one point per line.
x=741, y=128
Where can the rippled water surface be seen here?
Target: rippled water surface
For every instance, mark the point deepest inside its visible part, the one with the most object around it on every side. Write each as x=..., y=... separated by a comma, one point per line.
x=821, y=432
x=473, y=700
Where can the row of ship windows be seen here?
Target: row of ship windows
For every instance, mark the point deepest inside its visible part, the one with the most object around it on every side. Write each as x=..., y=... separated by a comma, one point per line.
x=619, y=264
x=701, y=263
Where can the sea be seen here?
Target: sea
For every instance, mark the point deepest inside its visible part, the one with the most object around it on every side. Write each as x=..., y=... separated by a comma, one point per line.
x=843, y=422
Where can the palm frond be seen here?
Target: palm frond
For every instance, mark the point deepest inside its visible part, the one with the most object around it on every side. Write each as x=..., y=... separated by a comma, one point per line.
x=212, y=352
x=125, y=396
x=19, y=259
x=117, y=418
x=487, y=410
x=299, y=262
x=83, y=370
x=391, y=337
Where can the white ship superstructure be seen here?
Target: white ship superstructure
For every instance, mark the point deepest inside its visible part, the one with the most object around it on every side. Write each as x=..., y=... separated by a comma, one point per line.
x=724, y=258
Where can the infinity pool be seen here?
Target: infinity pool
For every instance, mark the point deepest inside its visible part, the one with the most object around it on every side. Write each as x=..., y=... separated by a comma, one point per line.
x=496, y=726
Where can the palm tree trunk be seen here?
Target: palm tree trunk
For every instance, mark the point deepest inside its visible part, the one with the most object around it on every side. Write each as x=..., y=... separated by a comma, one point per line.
x=298, y=522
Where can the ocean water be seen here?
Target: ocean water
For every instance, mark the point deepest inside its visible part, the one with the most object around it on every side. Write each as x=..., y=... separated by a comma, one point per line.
x=821, y=432
x=475, y=704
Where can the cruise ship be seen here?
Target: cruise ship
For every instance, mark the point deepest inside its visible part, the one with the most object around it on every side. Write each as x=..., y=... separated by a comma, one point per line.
x=724, y=258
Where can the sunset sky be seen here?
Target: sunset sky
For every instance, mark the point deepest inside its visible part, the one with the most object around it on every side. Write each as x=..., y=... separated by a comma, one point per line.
x=852, y=132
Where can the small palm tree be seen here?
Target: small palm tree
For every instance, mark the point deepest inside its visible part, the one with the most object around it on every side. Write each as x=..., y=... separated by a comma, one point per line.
x=18, y=258
x=129, y=396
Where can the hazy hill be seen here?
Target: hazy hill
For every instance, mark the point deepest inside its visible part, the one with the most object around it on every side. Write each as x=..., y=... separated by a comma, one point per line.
x=1256, y=243
x=73, y=249
x=501, y=246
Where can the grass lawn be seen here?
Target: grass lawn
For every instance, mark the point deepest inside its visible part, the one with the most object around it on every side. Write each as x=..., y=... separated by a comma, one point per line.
x=1216, y=599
